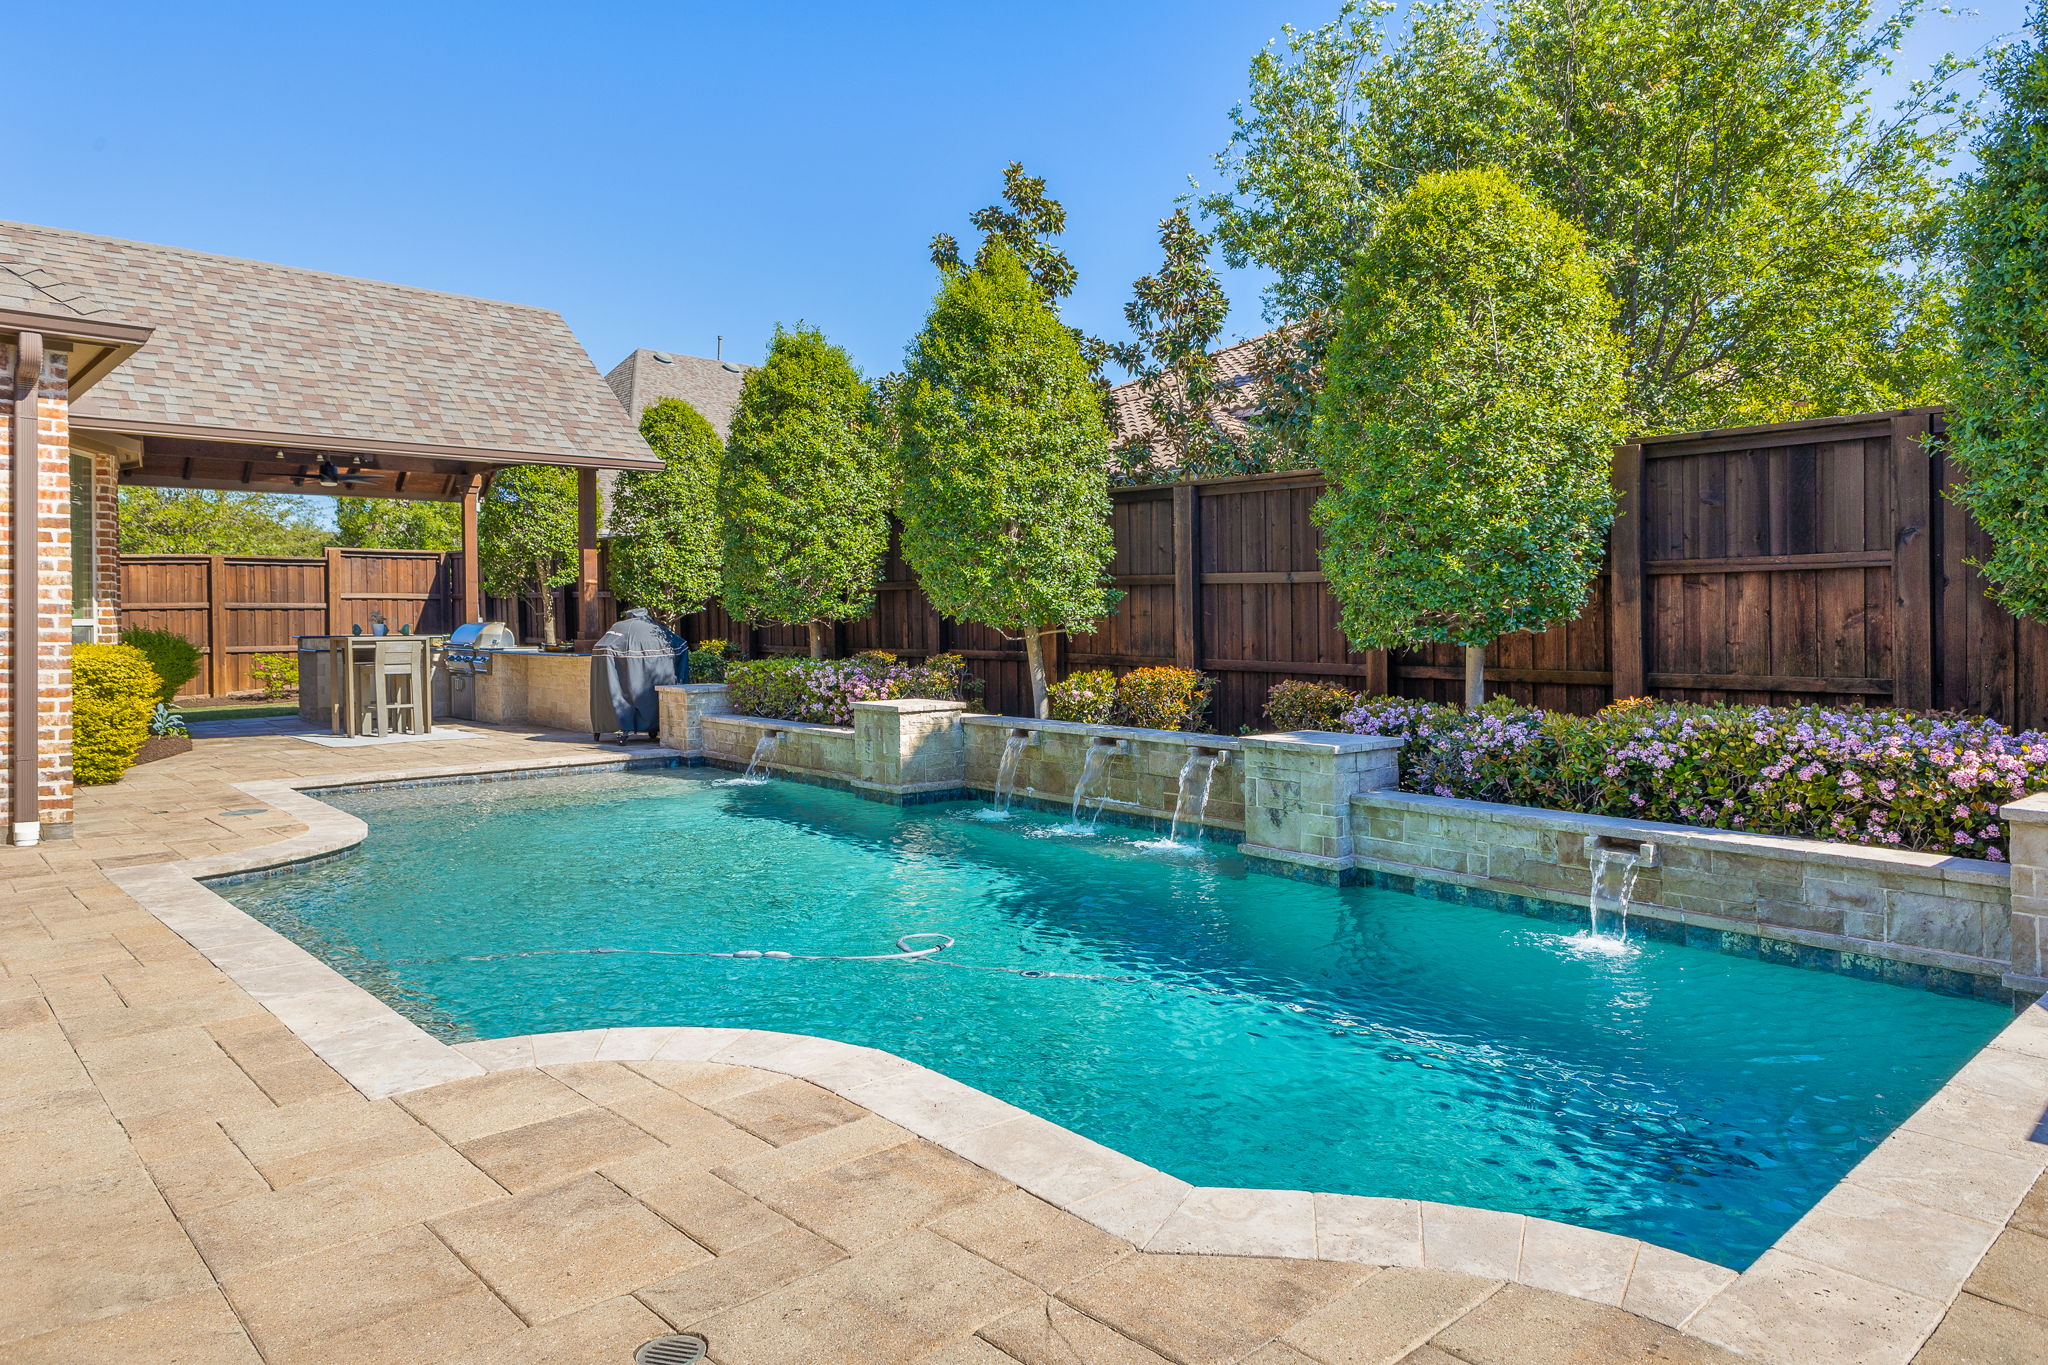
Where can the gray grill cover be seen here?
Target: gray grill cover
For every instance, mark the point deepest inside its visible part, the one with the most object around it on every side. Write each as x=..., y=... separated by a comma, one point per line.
x=636, y=656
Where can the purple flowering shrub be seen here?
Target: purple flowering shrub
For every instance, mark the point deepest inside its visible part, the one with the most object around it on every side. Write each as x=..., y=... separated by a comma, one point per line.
x=1932, y=782
x=823, y=691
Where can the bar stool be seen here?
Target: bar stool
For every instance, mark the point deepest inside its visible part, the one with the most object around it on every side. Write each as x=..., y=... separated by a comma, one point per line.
x=393, y=668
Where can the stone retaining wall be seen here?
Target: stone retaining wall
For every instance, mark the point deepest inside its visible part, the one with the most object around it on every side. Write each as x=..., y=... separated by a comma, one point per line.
x=1140, y=778
x=1921, y=909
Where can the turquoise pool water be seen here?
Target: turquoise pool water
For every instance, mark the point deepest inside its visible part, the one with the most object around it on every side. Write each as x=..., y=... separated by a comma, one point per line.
x=1277, y=1034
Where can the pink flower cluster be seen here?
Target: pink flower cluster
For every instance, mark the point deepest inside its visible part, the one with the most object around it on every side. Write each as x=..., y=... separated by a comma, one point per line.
x=1921, y=781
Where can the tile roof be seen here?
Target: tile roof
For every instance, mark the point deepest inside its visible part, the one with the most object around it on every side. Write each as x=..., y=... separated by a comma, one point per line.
x=245, y=346
x=712, y=387
x=1234, y=371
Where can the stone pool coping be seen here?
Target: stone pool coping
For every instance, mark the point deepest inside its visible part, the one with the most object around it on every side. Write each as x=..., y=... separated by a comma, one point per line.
x=1865, y=1275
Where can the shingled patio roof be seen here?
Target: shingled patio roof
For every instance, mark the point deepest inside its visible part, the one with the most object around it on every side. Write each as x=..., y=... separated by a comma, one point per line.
x=248, y=355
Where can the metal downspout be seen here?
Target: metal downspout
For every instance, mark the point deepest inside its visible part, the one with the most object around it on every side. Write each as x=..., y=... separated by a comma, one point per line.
x=25, y=631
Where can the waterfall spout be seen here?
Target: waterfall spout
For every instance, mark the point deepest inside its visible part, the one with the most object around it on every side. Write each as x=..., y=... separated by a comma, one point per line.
x=1099, y=754
x=1006, y=774
x=1614, y=873
x=1197, y=775
x=764, y=749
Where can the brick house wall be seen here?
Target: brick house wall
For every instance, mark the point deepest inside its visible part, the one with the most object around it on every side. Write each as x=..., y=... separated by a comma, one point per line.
x=50, y=541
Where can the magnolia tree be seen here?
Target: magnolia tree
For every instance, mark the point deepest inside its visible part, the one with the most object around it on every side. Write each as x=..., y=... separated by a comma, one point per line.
x=1004, y=463
x=1473, y=398
x=804, y=490
x=526, y=537
x=664, y=552
x=1999, y=434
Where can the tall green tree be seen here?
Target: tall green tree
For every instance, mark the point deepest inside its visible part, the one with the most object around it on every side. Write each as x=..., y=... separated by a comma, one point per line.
x=1004, y=463
x=397, y=524
x=1024, y=225
x=664, y=551
x=1474, y=394
x=804, y=490
x=1767, y=236
x=1998, y=432
x=207, y=521
x=526, y=537
x=1175, y=315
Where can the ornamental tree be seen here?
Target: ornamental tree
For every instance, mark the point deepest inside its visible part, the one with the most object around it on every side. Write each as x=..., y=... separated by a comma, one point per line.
x=664, y=550
x=391, y=524
x=1766, y=231
x=803, y=490
x=1473, y=398
x=1004, y=463
x=1176, y=314
x=526, y=537
x=1998, y=433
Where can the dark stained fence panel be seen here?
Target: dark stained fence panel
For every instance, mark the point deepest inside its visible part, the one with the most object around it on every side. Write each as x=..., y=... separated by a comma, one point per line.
x=235, y=607
x=1813, y=562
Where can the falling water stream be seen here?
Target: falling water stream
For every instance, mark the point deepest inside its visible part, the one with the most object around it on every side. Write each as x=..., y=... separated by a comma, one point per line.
x=1199, y=761
x=1091, y=772
x=764, y=749
x=1631, y=862
x=1006, y=774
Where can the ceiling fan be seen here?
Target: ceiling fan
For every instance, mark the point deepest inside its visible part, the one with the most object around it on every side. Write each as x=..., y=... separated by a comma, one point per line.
x=328, y=474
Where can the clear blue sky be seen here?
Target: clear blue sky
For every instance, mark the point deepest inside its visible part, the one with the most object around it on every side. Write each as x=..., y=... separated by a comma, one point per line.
x=661, y=174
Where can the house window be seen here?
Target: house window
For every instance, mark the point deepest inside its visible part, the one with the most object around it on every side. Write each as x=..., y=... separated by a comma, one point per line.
x=81, y=550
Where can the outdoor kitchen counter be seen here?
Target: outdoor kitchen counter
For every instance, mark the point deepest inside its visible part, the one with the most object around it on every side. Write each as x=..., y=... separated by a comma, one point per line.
x=527, y=687
x=315, y=700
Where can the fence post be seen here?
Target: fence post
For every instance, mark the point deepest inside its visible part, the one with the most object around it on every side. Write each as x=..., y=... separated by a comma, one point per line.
x=1625, y=578
x=1187, y=575
x=216, y=626
x=1912, y=563
x=331, y=575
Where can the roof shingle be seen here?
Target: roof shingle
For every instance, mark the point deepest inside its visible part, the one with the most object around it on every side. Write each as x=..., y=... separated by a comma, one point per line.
x=246, y=346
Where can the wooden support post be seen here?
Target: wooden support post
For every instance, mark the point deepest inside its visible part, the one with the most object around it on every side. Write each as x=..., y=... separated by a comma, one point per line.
x=1913, y=641
x=1187, y=575
x=217, y=626
x=1625, y=602
x=472, y=573
x=587, y=569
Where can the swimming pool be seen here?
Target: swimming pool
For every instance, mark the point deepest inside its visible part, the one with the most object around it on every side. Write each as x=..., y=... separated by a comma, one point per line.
x=1228, y=1027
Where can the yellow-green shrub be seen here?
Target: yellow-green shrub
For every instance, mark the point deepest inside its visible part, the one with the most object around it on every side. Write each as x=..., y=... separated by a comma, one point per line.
x=1162, y=698
x=113, y=692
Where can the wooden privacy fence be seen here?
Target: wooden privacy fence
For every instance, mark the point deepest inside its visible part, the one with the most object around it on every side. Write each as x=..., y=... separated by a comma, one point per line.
x=235, y=607
x=1809, y=562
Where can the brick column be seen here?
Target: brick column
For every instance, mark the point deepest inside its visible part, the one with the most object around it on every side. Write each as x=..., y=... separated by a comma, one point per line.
x=909, y=748
x=1298, y=787
x=49, y=539
x=2026, y=826
x=683, y=708
x=105, y=589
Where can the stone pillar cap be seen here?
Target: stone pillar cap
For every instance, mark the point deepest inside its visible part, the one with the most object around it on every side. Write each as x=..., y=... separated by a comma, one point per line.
x=2028, y=810
x=910, y=705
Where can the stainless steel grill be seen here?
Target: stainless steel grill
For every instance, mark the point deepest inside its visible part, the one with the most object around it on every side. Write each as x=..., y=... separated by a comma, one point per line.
x=470, y=646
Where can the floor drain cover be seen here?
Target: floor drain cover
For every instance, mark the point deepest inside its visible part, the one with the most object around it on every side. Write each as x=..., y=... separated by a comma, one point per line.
x=680, y=1349
x=248, y=810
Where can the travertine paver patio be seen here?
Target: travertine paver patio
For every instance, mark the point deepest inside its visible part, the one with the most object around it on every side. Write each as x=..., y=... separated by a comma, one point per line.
x=186, y=1182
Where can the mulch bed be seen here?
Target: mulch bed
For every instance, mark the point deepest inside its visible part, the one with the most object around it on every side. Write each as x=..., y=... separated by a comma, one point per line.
x=162, y=746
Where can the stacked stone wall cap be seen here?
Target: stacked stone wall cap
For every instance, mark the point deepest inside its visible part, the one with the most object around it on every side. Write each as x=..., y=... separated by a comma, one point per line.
x=1322, y=741
x=908, y=706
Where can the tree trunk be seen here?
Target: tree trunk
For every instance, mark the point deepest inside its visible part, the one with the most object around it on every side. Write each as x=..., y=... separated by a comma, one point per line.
x=1475, y=677
x=1034, y=659
x=548, y=633
x=817, y=629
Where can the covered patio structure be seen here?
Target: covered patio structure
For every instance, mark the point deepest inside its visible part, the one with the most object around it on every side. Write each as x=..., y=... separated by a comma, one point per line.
x=130, y=363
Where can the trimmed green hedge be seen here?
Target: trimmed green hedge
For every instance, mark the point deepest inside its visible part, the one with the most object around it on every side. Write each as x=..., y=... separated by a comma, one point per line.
x=113, y=692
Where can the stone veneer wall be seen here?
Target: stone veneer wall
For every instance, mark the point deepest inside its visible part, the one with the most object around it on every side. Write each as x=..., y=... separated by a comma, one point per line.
x=1922, y=909
x=51, y=542
x=1142, y=779
x=820, y=750
x=548, y=690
